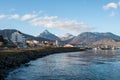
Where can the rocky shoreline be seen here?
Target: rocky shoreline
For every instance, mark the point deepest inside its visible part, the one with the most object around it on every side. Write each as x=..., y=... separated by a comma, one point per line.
x=11, y=59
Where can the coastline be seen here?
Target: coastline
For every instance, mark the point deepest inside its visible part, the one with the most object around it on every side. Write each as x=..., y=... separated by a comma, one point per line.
x=13, y=58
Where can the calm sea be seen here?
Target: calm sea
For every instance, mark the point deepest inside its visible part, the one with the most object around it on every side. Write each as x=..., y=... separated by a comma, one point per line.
x=86, y=65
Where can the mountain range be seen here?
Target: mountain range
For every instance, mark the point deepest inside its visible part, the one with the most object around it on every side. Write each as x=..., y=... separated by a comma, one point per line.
x=94, y=36
x=67, y=38
x=6, y=33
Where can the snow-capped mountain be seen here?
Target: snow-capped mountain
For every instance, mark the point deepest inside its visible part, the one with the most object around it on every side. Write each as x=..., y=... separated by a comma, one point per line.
x=67, y=36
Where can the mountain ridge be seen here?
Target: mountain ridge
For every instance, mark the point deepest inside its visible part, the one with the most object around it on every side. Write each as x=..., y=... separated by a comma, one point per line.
x=93, y=37
x=6, y=33
x=87, y=37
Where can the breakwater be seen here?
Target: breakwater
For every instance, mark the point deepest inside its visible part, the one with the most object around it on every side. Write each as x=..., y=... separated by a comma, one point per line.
x=10, y=59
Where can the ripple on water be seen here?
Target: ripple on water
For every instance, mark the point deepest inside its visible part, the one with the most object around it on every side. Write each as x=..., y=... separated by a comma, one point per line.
x=86, y=65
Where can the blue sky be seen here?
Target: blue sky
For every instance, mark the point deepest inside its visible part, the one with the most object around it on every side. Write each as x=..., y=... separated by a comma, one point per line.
x=60, y=16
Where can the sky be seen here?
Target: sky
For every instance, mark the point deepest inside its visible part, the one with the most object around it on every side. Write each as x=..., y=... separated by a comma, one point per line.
x=60, y=16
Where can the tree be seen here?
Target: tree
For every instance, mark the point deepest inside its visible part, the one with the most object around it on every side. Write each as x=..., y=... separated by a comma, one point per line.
x=2, y=40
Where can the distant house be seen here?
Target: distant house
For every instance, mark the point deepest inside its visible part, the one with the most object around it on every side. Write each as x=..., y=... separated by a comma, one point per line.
x=68, y=45
x=32, y=43
x=18, y=39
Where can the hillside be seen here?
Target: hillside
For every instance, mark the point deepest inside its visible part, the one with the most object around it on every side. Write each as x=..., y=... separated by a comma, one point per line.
x=93, y=37
x=6, y=33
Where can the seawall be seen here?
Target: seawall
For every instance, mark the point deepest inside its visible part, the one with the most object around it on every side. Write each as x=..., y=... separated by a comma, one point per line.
x=10, y=59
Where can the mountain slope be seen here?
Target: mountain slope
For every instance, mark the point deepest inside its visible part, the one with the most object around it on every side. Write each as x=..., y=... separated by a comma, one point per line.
x=46, y=34
x=67, y=38
x=93, y=37
x=6, y=33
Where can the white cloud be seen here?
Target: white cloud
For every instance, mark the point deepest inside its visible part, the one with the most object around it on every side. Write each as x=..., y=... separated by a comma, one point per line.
x=44, y=21
x=54, y=22
x=2, y=16
x=111, y=5
x=28, y=16
x=15, y=16
x=50, y=22
x=50, y=17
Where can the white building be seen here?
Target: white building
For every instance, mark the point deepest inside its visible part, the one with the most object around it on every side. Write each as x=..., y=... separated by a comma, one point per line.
x=18, y=39
x=32, y=41
x=68, y=45
x=59, y=43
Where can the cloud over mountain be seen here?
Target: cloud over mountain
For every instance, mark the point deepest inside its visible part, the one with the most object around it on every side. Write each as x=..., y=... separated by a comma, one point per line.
x=14, y=16
x=35, y=19
x=63, y=24
x=19, y=17
x=28, y=16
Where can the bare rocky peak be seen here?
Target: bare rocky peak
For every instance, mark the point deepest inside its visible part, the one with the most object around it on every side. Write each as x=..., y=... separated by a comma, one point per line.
x=46, y=34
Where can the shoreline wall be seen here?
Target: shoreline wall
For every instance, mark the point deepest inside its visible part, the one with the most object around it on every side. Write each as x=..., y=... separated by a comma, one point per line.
x=14, y=58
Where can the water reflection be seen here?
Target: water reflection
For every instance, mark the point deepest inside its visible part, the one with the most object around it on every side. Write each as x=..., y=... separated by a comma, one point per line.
x=88, y=65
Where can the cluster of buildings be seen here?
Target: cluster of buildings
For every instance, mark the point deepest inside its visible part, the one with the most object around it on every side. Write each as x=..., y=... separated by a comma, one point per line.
x=18, y=40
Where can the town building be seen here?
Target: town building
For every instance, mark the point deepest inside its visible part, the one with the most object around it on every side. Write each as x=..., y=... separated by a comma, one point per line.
x=18, y=39
x=68, y=45
x=32, y=43
x=59, y=43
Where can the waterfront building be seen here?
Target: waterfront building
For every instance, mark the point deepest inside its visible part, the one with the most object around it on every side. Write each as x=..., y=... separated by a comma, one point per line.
x=18, y=39
x=32, y=43
x=59, y=43
x=68, y=45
